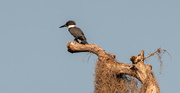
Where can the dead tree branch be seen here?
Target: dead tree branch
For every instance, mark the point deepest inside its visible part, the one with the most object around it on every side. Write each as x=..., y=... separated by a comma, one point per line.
x=107, y=61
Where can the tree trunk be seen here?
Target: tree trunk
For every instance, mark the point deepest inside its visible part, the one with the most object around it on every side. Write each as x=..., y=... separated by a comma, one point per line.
x=115, y=77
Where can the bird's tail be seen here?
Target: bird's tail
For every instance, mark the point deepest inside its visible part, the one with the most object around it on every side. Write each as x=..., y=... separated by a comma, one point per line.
x=84, y=42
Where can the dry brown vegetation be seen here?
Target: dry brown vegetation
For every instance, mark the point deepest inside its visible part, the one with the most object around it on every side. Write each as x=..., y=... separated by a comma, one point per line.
x=116, y=77
x=108, y=81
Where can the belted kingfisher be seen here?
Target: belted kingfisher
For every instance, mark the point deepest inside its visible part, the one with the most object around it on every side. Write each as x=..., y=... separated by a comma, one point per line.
x=75, y=31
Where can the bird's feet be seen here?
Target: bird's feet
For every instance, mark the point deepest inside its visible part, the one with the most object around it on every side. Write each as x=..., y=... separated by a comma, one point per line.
x=76, y=41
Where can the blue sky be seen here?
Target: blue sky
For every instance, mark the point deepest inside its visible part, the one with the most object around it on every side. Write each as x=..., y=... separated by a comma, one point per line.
x=33, y=52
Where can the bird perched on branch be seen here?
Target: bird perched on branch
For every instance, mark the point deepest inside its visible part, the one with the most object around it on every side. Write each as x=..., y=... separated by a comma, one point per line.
x=75, y=31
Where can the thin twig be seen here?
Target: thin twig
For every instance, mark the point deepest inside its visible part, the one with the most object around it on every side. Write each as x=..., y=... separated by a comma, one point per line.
x=159, y=53
x=168, y=54
x=85, y=56
x=89, y=56
x=152, y=54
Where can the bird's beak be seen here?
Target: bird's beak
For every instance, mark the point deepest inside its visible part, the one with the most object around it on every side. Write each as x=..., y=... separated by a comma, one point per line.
x=62, y=26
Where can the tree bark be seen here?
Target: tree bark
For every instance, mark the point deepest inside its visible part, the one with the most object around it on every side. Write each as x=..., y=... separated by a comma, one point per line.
x=137, y=70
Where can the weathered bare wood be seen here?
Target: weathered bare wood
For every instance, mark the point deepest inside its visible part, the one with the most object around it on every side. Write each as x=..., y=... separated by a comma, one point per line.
x=138, y=70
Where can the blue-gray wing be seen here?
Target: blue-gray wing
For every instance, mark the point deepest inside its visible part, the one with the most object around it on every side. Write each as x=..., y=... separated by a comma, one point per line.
x=76, y=32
